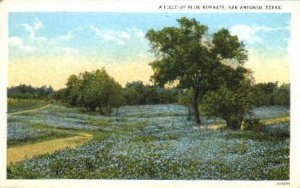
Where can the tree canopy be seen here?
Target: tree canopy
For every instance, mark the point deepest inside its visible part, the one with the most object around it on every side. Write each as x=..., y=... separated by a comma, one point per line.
x=93, y=90
x=189, y=55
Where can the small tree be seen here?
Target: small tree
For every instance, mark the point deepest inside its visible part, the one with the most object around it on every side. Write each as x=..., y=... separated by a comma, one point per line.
x=73, y=94
x=233, y=99
x=94, y=89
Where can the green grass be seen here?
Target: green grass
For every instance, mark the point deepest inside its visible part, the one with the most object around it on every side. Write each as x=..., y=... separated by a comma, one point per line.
x=16, y=105
x=54, y=134
x=154, y=145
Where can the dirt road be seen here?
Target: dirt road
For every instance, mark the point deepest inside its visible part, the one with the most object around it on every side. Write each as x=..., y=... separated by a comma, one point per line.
x=20, y=153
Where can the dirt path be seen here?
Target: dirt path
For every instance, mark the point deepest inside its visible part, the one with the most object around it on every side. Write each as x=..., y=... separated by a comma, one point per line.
x=265, y=122
x=20, y=153
x=275, y=120
x=30, y=110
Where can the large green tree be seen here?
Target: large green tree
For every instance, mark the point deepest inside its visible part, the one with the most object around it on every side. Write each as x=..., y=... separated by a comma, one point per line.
x=93, y=90
x=190, y=56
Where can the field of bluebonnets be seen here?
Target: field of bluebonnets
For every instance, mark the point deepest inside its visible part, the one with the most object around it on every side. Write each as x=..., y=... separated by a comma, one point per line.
x=150, y=142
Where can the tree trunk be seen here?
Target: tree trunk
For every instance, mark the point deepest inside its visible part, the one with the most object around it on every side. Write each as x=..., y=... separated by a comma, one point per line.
x=93, y=108
x=195, y=106
x=234, y=122
x=101, y=110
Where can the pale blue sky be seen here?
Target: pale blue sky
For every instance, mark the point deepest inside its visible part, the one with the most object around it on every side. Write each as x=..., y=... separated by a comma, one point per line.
x=121, y=35
x=58, y=44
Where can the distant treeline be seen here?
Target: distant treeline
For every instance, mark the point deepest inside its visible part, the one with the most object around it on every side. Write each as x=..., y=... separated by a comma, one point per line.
x=97, y=90
x=29, y=92
x=134, y=93
x=268, y=94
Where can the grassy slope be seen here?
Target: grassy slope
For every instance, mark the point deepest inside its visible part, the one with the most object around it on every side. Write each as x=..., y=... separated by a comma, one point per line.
x=153, y=142
x=17, y=105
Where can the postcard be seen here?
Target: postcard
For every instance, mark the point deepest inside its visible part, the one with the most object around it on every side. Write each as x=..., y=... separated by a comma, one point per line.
x=150, y=93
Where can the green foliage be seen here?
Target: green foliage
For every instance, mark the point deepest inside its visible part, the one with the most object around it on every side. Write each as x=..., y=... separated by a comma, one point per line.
x=282, y=95
x=132, y=96
x=136, y=93
x=271, y=94
x=264, y=93
x=93, y=90
x=232, y=100
x=186, y=97
x=156, y=146
x=60, y=94
x=168, y=95
x=228, y=46
x=28, y=92
x=15, y=105
x=187, y=55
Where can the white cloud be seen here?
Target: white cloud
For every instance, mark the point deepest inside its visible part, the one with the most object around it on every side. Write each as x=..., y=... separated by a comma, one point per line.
x=113, y=36
x=246, y=33
x=124, y=35
x=67, y=37
x=95, y=29
x=138, y=33
x=33, y=28
x=110, y=35
x=249, y=33
x=70, y=34
x=69, y=50
x=41, y=39
x=15, y=41
x=37, y=43
x=118, y=36
x=34, y=40
x=18, y=43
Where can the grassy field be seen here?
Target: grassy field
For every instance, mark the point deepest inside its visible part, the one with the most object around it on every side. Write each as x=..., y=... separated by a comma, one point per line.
x=148, y=142
x=17, y=105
